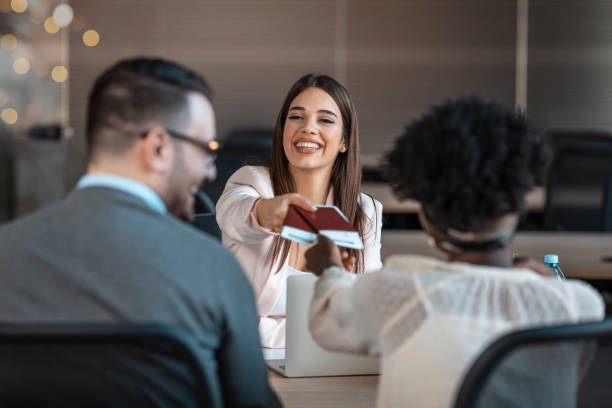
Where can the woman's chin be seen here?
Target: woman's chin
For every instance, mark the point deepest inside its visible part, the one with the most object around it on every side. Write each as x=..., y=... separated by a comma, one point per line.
x=309, y=164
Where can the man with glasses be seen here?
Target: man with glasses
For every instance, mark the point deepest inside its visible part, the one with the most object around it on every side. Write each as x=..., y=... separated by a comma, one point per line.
x=116, y=249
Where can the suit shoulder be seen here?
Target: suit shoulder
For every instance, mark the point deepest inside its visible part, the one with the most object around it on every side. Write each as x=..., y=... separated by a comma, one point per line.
x=39, y=216
x=203, y=251
x=191, y=235
x=206, y=245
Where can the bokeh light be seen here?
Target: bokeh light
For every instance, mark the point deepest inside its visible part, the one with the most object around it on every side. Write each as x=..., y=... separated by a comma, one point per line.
x=9, y=115
x=21, y=66
x=51, y=26
x=63, y=15
x=19, y=6
x=59, y=73
x=91, y=38
x=8, y=42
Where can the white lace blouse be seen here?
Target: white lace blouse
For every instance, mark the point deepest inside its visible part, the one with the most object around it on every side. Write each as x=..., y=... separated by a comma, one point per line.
x=429, y=319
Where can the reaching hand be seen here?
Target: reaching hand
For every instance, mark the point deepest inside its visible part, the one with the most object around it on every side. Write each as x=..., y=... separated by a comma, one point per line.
x=347, y=261
x=537, y=267
x=271, y=212
x=324, y=254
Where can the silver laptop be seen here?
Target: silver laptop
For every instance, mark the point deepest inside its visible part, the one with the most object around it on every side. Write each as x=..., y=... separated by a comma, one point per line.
x=304, y=357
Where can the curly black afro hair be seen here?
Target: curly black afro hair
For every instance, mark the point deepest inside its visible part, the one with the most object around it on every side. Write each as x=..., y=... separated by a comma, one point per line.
x=467, y=161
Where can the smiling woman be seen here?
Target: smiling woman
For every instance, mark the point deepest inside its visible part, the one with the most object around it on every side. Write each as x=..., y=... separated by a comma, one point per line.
x=315, y=160
x=312, y=137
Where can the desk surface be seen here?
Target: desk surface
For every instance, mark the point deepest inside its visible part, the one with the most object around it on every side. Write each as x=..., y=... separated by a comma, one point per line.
x=580, y=254
x=322, y=392
x=534, y=200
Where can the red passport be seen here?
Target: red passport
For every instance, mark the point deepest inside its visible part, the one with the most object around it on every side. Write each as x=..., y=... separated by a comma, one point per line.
x=303, y=226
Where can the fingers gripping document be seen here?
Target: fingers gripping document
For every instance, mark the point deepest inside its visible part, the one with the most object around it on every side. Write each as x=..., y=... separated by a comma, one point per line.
x=303, y=226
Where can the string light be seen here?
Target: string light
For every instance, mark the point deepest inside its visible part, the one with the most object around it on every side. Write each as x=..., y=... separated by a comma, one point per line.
x=21, y=66
x=8, y=42
x=19, y=6
x=63, y=15
x=91, y=38
x=51, y=26
x=59, y=73
x=9, y=115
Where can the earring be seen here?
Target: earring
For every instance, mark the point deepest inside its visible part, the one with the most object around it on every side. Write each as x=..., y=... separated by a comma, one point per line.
x=343, y=149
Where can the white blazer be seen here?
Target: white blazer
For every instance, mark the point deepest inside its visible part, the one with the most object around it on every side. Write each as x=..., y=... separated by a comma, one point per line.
x=250, y=243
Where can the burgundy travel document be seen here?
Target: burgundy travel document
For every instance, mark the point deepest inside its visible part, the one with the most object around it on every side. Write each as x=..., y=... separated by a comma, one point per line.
x=302, y=226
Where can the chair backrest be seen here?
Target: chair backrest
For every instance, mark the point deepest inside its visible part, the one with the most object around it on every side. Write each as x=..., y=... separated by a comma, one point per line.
x=208, y=224
x=562, y=366
x=607, y=204
x=203, y=203
x=7, y=187
x=240, y=147
x=576, y=182
x=103, y=365
x=559, y=138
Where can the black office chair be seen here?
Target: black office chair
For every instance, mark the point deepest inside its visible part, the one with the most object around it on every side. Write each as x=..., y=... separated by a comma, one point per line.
x=557, y=366
x=7, y=187
x=558, y=138
x=240, y=147
x=607, y=204
x=203, y=203
x=103, y=365
x=576, y=181
x=207, y=223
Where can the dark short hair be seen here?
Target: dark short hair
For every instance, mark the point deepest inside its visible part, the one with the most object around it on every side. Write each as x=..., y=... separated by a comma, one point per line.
x=468, y=162
x=134, y=93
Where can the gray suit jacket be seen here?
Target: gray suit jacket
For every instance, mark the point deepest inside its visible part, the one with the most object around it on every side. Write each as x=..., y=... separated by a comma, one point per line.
x=102, y=255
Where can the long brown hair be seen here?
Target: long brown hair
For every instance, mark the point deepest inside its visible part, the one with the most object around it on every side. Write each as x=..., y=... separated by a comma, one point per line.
x=346, y=170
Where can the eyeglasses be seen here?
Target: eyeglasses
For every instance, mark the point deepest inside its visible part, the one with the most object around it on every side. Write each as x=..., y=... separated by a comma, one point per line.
x=211, y=147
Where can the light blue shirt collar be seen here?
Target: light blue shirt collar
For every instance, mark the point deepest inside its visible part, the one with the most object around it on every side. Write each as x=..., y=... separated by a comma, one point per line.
x=135, y=188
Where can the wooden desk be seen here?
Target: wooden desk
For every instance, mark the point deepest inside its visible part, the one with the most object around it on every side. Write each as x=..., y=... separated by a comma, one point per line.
x=534, y=201
x=580, y=254
x=322, y=392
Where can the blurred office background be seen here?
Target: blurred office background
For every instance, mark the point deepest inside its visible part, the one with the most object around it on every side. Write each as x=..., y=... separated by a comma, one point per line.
x=396, y=57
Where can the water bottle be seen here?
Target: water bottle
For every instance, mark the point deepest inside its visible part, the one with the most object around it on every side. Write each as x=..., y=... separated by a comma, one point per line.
x=552, y=260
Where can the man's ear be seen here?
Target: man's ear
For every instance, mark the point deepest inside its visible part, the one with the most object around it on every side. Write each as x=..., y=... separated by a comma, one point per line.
x=157, y=150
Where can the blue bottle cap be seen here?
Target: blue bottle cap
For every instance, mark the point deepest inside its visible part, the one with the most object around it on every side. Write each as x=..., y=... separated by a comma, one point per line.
x=551, y=258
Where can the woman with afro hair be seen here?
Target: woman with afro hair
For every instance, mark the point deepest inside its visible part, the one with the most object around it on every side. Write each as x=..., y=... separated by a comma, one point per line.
x=469, y=163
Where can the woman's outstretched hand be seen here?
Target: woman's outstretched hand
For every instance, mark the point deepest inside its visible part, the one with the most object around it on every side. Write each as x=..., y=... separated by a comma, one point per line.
x=271, y=212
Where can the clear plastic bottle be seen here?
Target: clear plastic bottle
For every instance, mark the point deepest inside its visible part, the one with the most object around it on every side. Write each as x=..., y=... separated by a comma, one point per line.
x=552, y=260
